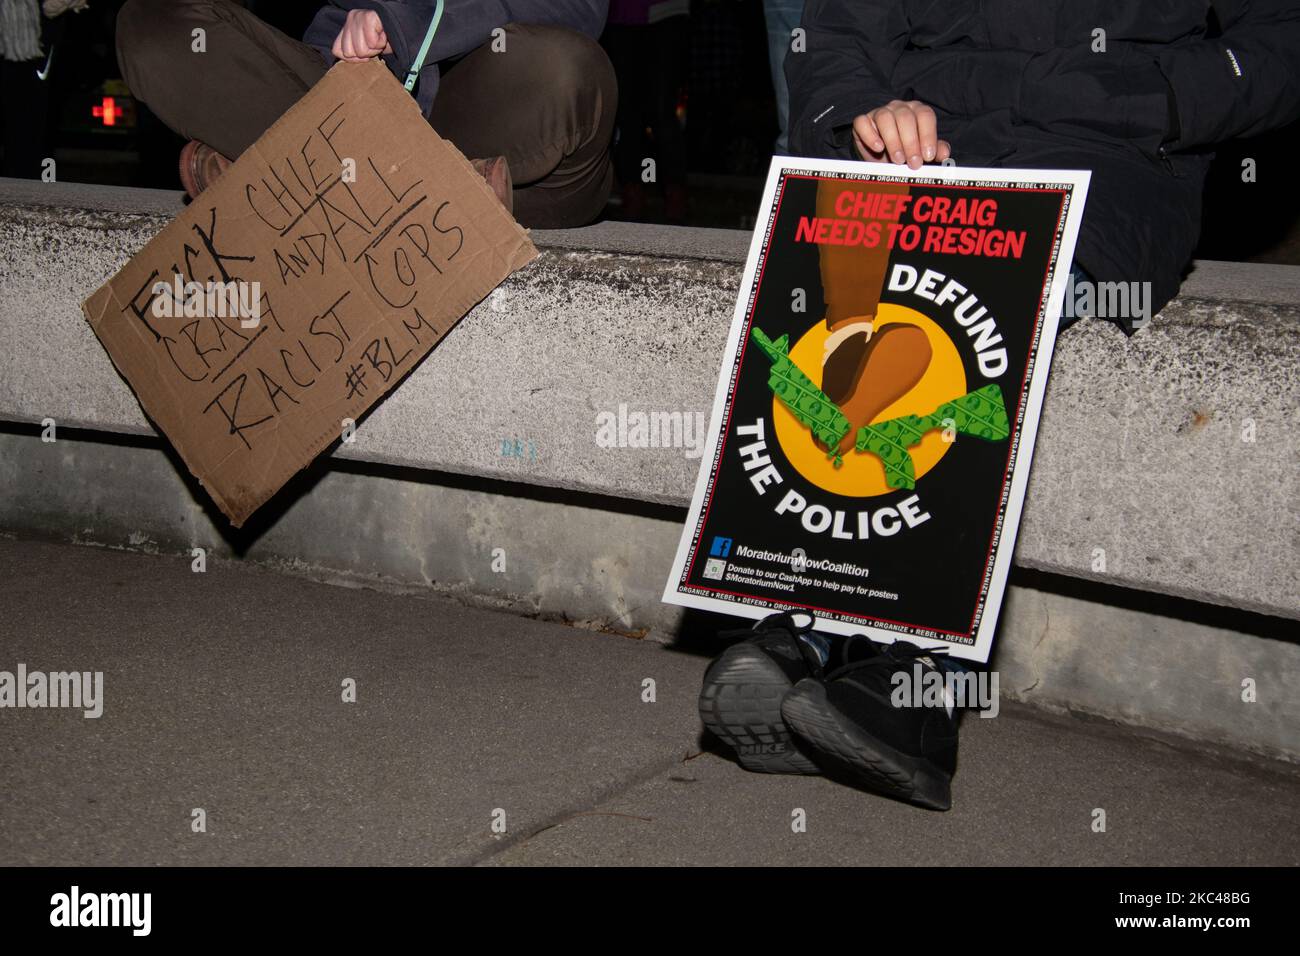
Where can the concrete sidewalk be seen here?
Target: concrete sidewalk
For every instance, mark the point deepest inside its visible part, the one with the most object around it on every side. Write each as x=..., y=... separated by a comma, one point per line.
x=223, y=692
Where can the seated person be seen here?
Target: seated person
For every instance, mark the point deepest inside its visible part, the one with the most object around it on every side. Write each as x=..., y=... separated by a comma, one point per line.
x=1137, y=92
x=525, y=91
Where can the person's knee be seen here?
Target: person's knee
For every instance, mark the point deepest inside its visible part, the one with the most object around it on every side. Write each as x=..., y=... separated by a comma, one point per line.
x=586, y=68
x=150, y=32
x=575, y=71
x=140, y=22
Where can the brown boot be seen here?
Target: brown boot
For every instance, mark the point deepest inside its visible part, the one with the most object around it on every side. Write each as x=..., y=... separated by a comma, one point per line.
x=497, y=173
x=201, y=166
x=884, y=368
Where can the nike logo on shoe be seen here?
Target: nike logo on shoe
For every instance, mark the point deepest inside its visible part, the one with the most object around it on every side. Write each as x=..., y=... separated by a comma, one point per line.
x=759, y=750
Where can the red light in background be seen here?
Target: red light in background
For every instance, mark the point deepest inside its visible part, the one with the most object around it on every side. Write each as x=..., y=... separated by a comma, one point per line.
x=107, y=111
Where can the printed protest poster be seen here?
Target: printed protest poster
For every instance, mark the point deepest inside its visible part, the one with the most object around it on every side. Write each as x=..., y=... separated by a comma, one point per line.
x=877, y=404
x=317, y=272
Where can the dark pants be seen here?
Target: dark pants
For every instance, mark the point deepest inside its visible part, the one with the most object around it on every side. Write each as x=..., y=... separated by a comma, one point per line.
x=548, y=106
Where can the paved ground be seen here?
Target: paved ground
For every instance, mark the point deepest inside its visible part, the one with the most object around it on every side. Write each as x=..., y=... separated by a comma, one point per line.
x=223, y=691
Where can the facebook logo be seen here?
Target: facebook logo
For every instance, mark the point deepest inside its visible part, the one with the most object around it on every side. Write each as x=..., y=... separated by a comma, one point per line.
x=721, y=548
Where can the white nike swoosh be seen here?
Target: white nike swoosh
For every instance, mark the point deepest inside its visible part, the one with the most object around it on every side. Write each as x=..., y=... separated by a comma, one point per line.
x=46, y=72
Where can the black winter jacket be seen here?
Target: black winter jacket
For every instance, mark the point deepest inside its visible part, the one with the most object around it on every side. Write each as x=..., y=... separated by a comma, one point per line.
x=1017, y=83
x=465, y=25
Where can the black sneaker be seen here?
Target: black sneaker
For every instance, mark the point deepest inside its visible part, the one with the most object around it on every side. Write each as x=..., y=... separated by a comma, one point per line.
x=740, y=702
x=848, y=721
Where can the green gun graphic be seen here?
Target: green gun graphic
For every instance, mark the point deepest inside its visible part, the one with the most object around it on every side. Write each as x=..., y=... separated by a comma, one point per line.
x=804, y=399
x=981, y=413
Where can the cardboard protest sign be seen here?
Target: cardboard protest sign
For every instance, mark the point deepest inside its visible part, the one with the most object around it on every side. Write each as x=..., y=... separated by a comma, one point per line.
x=304, y=284
x=878, y=400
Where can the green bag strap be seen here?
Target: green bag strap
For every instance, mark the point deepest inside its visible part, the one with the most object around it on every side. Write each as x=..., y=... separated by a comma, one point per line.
x=414, y=72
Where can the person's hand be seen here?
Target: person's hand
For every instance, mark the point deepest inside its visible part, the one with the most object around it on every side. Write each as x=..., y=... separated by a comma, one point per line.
x=901, y=132
x=361, y=38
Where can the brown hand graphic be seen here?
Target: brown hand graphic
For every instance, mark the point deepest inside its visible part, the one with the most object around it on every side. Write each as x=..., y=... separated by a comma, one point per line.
x=865, y=376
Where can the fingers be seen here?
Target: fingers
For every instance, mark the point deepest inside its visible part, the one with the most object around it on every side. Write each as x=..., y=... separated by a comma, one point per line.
x=351, y=50
x=867, y=141
x=908, y=148
x=866, y=132
x=900, y=132
x=357, y=47
x=927, y=131
x=372, y=33
x=361, y=38
x=887, y=123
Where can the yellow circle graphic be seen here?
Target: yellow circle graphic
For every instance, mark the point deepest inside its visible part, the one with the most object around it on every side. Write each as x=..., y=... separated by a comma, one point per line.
x=862, y=475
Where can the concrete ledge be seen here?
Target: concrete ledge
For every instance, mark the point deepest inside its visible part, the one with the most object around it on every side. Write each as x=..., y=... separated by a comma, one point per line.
x=1091, y=651
x=1140, y=456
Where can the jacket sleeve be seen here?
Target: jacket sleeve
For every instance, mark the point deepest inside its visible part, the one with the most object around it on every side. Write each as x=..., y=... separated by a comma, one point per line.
x=467, y=24
x=1120, y=94
x=1183, y=96
x=1180, y=97
x=851, y=48
x=1245, y=81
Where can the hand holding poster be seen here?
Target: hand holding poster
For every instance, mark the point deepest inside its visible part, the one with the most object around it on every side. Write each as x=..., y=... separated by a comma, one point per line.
x=304, y=284
x=878, y=400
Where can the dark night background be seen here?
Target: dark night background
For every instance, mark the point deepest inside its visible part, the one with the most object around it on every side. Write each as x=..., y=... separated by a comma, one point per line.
x=724, y=103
